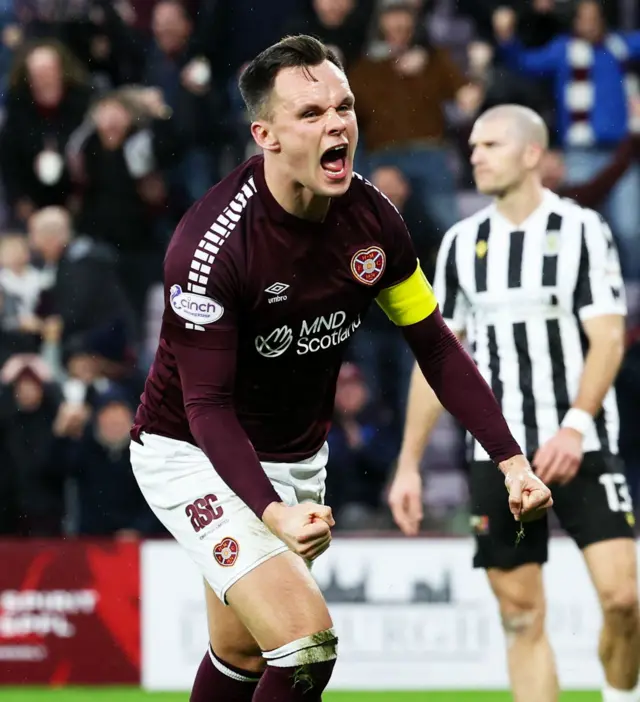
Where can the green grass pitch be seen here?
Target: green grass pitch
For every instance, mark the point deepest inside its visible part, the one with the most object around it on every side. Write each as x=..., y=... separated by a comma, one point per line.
x=118, y=694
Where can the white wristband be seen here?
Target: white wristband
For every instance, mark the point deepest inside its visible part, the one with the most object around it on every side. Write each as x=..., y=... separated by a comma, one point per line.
x=577, y=419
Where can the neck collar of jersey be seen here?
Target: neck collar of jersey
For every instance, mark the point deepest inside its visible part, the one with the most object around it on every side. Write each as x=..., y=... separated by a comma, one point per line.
x=549, y=199
x=275, y=210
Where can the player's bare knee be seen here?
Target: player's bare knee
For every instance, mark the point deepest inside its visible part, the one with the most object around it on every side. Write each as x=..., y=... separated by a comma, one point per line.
x=312, y=658
x=522, y=618
x=620, y=608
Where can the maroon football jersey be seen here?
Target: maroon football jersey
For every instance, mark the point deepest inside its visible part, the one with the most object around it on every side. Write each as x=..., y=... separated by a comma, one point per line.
x=286, y=294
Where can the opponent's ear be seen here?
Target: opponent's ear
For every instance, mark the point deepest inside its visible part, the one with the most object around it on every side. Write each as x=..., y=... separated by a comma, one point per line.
x=264, y=136
x=533, y=154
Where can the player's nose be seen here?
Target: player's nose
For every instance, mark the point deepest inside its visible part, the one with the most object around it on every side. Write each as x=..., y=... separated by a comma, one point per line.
x=335, y=124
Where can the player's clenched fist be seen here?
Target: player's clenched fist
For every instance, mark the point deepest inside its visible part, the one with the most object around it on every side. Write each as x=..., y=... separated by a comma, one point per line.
x=529, y=497
x=305, y=528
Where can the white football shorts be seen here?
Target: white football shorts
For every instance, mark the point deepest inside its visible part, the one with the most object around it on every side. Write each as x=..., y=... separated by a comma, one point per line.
x=220, y=533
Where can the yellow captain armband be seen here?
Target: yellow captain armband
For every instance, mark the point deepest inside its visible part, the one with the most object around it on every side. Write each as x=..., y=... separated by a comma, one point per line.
x=410, y=301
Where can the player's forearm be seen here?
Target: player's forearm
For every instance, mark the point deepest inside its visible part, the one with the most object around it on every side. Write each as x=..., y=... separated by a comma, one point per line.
x=594, y=191
x=601, y=367
x=207, y=385
x=423, y=411
x=219, y=434
x=461, y=389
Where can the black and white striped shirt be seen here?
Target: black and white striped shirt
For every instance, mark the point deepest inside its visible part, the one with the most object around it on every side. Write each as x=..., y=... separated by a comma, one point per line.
x=520, y=294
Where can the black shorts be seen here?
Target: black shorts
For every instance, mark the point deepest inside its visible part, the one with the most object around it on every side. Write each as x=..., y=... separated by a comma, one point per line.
x=594, y=506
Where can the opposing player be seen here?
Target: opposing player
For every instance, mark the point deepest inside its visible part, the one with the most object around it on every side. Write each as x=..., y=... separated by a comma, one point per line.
x=267, y=277
x=526, y=279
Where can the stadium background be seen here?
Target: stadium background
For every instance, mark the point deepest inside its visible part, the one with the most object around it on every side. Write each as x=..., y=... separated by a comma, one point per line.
x=122, y=112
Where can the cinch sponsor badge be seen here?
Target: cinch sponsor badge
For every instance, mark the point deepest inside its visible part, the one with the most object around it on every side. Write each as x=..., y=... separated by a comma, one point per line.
x=195, y=308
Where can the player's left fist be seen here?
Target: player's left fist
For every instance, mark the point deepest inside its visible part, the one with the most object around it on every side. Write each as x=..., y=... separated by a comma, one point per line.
x=529, y=497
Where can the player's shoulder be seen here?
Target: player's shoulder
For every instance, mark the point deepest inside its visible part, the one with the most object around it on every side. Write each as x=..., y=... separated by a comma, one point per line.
x=211, y=223
x=364, y=193
x=225, y=202
x=583, y=216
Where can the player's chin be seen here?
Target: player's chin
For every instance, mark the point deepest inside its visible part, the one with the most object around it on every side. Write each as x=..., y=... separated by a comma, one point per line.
x=486, y=187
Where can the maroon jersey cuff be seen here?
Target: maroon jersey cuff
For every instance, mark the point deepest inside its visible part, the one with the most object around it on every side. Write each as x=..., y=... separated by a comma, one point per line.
x=461, y=389
x=207, y=385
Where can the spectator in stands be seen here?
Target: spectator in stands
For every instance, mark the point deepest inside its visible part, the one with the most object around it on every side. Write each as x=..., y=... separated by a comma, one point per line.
x=393, y=183
x=84, y=290
x=192, y=91
x=139, y=13
x=47, y=100
x=232, y=33
x=17, y=276
x=97, y=32
x=20, y=287
x=591, y=70
x=591, y=193
x=118, y=159
x=361, y=450
x=30, y=485
x=109, y=500
x=341, y=24
x=102, y=359
x=501, y=85
x=402, y=95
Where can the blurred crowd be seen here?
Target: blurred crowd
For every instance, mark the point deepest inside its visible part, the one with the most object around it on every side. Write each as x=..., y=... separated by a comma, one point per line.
x=117, y=114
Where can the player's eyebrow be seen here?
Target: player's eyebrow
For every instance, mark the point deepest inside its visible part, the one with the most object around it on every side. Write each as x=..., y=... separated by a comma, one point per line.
x=309, y=107
x=348, y=99
x=484, y=142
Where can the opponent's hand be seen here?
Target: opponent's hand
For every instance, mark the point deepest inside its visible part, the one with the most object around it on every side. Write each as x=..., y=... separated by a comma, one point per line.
x=304, y=528
x=558, y=460
x=529, y=497
x=405, y=501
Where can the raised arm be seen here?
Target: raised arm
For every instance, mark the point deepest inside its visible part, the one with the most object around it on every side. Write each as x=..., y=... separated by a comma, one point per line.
x=543, y=61
x=592, y=192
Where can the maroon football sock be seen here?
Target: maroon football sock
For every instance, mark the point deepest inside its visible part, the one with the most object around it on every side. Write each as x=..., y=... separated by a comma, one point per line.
x=299, y=684
x=217, y=681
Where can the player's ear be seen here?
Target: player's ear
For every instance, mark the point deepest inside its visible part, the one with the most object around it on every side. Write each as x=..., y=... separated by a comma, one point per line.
x=533, y=156
x=264, y=136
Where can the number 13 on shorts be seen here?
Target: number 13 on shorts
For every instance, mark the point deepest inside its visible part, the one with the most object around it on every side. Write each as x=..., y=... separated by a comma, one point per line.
x=617, y=492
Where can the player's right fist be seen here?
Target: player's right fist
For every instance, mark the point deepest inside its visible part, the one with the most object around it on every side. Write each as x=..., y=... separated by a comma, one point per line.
x=529, y=497
x=504, y=23
x=305, y=528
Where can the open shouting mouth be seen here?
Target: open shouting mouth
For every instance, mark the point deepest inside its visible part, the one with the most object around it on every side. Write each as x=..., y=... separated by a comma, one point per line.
x=334, y=162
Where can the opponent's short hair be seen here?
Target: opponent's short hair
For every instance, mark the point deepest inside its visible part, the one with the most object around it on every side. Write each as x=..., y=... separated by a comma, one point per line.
x=257, y=79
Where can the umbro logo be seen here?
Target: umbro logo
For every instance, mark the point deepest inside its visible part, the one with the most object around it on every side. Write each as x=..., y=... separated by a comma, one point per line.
x=276, y=289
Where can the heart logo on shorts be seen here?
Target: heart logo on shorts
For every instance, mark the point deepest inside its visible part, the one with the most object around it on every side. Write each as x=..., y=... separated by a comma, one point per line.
x=226, y=551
